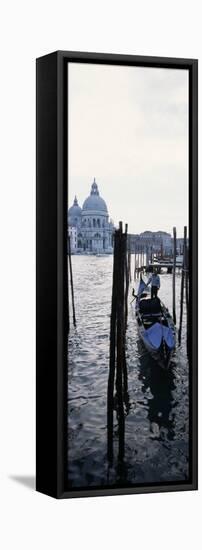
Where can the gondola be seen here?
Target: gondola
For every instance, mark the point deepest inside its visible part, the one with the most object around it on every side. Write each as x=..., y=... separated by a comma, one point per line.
x=155, y=324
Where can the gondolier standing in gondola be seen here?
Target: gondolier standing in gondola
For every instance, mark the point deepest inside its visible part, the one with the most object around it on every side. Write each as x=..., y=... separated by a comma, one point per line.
x=154, y=279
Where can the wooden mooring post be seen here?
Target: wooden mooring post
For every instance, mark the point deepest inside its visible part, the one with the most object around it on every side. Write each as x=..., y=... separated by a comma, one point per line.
x=129, y=266
x=71, y=278
x=67, y=303
x=143, y=255
x=120, y=343
x=135, y=264
x=151, y=254
x=183, y=283
x=112, y=355
x=147, y=257
x=174, y=270
x=117, y=380
x=126, y=274
x=187, y=289
x=127, y=280
x=139, y=261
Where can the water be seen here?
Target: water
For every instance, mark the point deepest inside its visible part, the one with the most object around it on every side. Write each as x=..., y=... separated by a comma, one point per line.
x=157, y=419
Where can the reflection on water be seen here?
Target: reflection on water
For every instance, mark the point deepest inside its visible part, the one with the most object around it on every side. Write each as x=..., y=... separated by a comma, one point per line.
x=156, y=409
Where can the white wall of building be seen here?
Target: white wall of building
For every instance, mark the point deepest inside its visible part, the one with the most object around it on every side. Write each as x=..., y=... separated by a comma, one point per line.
x=72, y=232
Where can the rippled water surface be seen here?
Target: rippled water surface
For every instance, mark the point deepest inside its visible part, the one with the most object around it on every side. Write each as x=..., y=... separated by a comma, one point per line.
x=156, y=422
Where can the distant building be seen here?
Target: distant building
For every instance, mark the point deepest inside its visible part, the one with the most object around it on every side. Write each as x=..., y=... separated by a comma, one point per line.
x=166, y=240
x=133, y=241
x=94, y=229
x=159, y=241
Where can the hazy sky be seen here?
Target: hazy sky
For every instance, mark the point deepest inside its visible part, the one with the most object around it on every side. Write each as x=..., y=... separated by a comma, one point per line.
x=128, y=128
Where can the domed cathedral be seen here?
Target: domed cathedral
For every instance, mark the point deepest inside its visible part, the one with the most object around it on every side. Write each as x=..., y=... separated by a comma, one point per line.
x=89, y=227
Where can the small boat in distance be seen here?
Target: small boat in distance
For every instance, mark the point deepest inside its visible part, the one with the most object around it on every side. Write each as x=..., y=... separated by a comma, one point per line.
x=156, y=326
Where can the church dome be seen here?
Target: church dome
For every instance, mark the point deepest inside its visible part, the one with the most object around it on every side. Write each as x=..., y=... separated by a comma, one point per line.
x=74, y=210
x=94, y=202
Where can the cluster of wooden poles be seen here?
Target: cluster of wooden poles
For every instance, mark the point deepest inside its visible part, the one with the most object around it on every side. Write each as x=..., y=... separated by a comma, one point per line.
x=117, y=396
x=141, y=253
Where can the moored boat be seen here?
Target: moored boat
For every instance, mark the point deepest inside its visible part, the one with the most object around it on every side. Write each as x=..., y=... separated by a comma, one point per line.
x=156, y=326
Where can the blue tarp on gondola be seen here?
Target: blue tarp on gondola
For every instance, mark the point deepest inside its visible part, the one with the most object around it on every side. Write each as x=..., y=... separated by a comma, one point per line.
x=153, y=335
x=156, y=333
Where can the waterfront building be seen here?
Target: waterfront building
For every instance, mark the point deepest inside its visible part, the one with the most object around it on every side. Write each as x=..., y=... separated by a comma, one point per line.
x=165, y=239
x=158, y=241
x=94, y=228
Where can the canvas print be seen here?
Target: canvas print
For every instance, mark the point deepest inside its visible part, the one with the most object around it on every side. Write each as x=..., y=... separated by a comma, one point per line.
x=128, y=367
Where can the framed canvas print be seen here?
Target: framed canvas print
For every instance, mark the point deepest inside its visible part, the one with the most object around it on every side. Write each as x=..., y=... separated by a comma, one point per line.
x=116, y=384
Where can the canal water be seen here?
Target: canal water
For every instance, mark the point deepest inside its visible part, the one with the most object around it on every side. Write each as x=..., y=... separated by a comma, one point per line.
x=157, y=417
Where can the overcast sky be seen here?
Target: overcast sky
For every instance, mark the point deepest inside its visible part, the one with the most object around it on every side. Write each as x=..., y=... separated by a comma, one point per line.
x=128, y=128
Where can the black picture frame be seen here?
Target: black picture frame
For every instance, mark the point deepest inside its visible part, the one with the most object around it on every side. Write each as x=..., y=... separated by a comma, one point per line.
x=51, y=273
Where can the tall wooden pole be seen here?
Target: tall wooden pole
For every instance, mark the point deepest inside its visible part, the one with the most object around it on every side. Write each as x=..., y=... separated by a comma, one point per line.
x=161, y=250
x=182, y=285
x=139, y=250
x=187, y=290
x=151, y=254
x=186, y=269
x=120, y=345
x=71, y=280
x=128, y=250
x=174, y=271
x=126, y=285
x=112, y=360
x=147, y=256
x=68, y=323
x=129, y=265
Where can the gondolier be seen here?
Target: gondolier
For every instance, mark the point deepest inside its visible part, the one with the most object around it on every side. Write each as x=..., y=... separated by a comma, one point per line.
x=154, y=279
